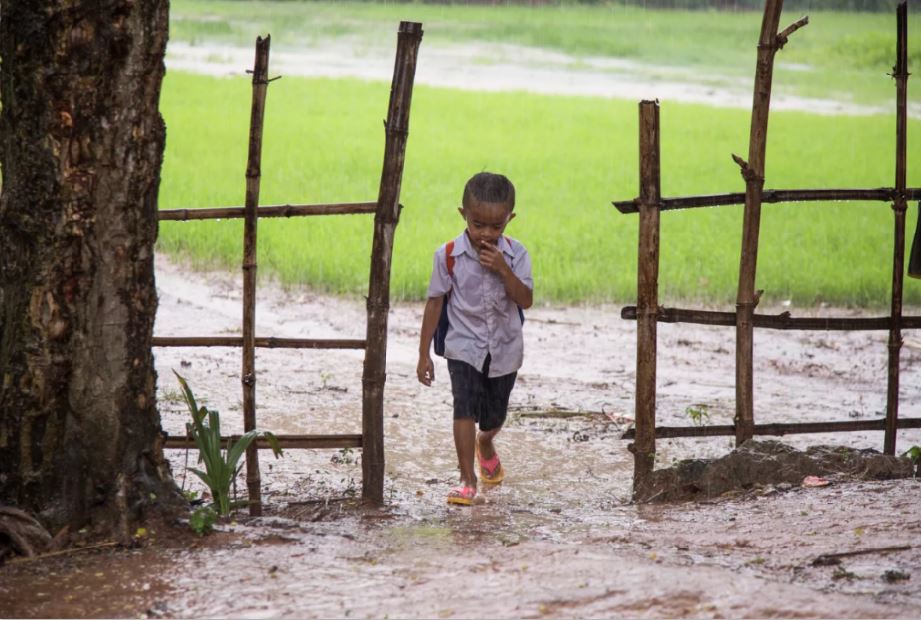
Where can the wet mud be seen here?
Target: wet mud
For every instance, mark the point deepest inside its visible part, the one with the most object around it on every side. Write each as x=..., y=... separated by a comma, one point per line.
x=763, y=463
x=560, y=537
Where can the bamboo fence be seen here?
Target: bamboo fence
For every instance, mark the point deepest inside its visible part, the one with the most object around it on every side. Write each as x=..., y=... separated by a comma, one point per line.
x=647, y=312
x=386, y=212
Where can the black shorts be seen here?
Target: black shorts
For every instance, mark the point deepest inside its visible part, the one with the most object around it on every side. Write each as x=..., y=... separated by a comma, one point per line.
x=478, y=396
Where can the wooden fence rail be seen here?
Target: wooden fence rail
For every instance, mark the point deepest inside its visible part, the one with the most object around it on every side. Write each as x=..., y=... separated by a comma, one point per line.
x=264, y=343
x=775, y=321
x=881, y=194
x=286, y=442
x=778, y=428
x=647, y=313
x=227, y=213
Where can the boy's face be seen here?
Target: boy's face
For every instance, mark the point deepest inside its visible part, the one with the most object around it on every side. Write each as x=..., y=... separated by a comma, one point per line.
x=486, y=221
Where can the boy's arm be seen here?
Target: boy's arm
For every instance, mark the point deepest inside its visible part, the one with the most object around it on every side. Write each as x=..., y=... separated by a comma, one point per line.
x=518, y=291
x=425, y=369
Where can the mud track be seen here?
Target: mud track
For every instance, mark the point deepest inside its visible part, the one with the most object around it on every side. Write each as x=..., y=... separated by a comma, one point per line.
x=559, y=538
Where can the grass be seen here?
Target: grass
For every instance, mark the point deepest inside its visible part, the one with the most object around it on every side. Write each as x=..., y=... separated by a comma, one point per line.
x=569, y=157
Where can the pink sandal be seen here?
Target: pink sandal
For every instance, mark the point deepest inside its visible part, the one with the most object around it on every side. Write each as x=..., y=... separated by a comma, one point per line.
x=464, y=496
x=491, y=471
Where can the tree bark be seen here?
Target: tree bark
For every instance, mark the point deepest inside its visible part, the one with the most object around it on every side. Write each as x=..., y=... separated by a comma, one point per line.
x=81, y=141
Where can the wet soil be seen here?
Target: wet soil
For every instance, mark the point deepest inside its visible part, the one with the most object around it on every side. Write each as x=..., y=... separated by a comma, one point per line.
x=559, y=538
x=759, y=463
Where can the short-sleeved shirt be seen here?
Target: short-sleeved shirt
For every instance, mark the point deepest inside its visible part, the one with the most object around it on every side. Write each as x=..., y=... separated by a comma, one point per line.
x=484, y=319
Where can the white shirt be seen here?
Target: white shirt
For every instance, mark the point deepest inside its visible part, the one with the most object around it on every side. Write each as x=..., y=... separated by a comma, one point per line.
x=484, y=319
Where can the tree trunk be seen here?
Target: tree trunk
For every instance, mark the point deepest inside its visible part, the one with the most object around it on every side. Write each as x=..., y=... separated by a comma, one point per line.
x=81, y=141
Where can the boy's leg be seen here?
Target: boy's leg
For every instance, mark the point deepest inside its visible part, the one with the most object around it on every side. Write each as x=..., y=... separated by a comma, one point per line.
x=484, y=438
x=464, y=442
x=468, y=391
x=498, y=390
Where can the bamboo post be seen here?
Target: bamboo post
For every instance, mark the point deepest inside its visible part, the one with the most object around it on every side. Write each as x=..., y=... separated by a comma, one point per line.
x=900, y=73
x=647, y=299
x=385, y=220
x=253, y=175
x=753, y=173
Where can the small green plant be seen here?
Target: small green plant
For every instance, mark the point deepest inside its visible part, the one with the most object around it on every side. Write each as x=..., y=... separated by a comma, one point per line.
x=699, y=414
x=221, y=466
x=202, y=520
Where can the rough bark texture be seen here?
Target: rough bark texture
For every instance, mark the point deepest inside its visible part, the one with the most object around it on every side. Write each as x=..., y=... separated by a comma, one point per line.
x=82, y=143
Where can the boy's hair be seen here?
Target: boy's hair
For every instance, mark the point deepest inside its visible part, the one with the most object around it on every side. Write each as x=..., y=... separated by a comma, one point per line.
x=489, y=187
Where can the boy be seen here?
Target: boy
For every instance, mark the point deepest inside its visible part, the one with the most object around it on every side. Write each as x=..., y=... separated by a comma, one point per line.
x=485, y=279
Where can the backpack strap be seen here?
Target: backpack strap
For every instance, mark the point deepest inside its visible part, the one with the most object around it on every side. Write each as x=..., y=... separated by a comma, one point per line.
x=449, y=257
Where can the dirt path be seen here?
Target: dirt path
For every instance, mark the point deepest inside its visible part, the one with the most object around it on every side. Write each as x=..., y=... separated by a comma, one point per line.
x=559, y=538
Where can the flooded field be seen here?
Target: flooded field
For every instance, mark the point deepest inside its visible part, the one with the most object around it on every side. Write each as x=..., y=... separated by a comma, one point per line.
x=559, y=537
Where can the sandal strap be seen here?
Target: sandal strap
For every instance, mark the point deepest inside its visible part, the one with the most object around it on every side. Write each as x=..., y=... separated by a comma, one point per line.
x=467, y=492
x=490, y=466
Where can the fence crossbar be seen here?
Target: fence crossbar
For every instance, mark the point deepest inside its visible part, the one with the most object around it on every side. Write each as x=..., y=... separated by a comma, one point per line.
x=286, y=442
x=777, y=428
x=775, y=321
x=264, y=343
x=882, y=194
x=229, y=213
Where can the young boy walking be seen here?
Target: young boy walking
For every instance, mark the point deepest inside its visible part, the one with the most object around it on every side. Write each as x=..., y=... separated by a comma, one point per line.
x=485, y=279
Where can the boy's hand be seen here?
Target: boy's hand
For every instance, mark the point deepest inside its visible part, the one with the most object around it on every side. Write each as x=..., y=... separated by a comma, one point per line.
x=492, y=259
x=425, y=370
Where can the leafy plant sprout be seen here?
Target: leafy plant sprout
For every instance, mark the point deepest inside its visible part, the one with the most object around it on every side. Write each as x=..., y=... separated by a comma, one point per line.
x=221, y=466
x=699, y=414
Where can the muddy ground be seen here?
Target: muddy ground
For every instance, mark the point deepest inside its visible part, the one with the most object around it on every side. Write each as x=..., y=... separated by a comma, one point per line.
x=559, y=538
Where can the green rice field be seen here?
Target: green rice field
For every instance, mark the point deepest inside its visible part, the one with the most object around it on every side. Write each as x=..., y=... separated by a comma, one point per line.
x=569, y=158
